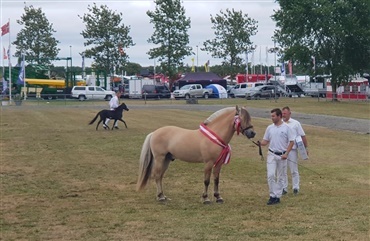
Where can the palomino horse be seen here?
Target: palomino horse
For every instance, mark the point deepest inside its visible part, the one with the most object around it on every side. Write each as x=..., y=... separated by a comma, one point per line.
x=208, y=144
x=116, y=115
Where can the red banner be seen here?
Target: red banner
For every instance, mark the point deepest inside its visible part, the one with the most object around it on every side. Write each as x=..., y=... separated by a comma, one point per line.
x=4, y=54
x=5, y=29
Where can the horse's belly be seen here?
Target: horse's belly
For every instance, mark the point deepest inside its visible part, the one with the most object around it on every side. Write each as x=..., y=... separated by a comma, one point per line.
x=183, y=144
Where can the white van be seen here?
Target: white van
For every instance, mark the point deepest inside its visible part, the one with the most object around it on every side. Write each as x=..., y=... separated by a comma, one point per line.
x=91, y=92
x=241, y=89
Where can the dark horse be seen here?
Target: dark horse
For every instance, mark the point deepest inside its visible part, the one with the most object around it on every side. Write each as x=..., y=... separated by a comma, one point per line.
x=116, y=115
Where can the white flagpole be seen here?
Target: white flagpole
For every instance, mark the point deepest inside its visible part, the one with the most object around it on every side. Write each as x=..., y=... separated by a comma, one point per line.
x=24, y=75
x=3, y=58
x=10, y=69
x=261, y=60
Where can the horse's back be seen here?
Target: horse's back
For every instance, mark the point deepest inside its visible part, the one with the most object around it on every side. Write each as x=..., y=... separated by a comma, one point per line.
x=183, y=144
x=172, y=135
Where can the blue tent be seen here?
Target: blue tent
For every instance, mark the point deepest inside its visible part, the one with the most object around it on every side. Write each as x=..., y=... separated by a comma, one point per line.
x=218, y=91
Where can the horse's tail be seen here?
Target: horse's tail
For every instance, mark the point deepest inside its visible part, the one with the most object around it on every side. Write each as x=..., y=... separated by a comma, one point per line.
x=145, y=163
x=93, y=120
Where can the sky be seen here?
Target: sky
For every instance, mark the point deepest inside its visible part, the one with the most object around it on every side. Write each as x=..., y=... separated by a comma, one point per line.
x=63, y=14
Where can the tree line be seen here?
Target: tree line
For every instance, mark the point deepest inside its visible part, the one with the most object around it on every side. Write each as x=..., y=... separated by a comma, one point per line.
x=317, y=36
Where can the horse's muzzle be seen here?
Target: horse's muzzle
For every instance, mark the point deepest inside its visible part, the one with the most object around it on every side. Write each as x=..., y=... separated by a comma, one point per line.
x=249, y=133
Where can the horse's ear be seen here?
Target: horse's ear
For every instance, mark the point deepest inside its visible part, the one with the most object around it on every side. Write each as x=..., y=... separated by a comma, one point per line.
x=237, y=109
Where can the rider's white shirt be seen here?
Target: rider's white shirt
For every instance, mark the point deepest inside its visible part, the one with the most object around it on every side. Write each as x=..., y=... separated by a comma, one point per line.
x=114, y=103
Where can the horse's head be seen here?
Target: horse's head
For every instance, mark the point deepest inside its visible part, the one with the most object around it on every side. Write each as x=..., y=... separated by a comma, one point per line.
x=123, y=106
x=246, y=127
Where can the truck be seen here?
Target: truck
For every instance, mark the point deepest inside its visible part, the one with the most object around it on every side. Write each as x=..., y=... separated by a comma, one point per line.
x=314, y=89
x=135, y=86
x=91, y=92
x=193, y=91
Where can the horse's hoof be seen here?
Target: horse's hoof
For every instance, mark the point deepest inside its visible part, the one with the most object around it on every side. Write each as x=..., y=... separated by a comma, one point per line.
x=219, y=200
x=207, y=201
x=163, y=199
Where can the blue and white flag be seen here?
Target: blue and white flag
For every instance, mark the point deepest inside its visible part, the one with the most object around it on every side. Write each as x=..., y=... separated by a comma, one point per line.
x=21, y=76
x=283, y=68
x=5, y=85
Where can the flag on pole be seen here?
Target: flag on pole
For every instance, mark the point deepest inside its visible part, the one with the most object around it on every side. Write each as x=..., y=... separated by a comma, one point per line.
x=5, y=29
x=4, y=54
x=5, y=85
x=283, y=68
x=83, y=62
x=313, y=61
x=21, y=76
x=206, y=66
x=192, y=66
x=290, y=66
x=121, y=50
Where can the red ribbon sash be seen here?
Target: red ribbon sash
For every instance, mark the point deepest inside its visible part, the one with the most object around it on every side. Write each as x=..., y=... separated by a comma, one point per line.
x=226, y=151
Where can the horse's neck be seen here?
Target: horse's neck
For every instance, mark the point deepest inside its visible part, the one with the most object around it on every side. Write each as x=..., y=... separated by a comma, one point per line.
x=223, y=126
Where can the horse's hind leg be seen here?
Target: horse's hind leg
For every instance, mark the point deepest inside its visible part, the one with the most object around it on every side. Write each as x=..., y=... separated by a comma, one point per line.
x=114, y=124
x=216, y=175
x=159, y=168
x=104, y=125
x=207, y=178
x=98, y=123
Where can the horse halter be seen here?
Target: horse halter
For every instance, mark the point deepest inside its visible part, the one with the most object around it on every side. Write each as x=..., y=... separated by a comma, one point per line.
x=238, y=127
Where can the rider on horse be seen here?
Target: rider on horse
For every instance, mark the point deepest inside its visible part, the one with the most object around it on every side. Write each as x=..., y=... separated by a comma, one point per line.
x=113, y=104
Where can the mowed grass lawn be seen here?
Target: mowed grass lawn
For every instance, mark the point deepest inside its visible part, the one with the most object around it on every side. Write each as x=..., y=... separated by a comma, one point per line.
x=62, y=180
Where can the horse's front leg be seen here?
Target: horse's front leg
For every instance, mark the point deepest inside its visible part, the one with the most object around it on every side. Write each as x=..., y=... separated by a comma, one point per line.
x=216, y=175
x=207, y=178
x=124, y=122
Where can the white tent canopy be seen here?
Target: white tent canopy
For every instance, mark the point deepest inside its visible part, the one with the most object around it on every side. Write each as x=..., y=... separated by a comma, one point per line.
x=218, y=91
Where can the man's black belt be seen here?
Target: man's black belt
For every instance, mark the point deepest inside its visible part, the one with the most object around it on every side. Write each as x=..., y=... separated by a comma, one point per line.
x=276, y=152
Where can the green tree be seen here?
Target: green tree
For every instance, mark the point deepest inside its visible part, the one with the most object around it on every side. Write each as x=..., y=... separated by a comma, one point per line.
x=132, y=68
x=232, y=30
x=35, y=40
x=171, y=35
x=107, y=38
x=335, y=33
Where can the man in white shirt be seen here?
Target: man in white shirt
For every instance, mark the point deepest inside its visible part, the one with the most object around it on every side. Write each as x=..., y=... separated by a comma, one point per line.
x=113, y=104
x=293, y=155
x=279, y=136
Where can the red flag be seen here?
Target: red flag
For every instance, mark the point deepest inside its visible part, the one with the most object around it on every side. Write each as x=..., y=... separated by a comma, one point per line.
x=121, y=50
x=4, y=54
x=5, y=29
x=290, y=66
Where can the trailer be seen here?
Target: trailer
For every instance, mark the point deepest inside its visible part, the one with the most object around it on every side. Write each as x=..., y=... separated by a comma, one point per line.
x=135, y=86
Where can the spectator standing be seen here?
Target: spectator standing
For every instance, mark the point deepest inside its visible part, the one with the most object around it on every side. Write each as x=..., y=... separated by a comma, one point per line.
x=293, y=155
x=280, y=139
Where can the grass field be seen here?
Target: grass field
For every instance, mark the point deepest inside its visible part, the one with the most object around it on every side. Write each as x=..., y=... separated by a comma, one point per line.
x=348, y=108
x=62, y=180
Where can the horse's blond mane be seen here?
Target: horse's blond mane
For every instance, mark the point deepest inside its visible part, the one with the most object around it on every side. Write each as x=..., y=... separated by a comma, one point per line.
x=216, y=114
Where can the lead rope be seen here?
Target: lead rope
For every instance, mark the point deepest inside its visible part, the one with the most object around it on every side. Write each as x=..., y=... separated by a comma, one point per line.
x=258, y=143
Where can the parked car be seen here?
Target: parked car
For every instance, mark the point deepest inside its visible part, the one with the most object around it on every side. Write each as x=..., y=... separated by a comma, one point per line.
x=241, y=89
x=263, y=91
x=156, y=91
x=229, y=88
x=193, y=90
x=91, y=92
